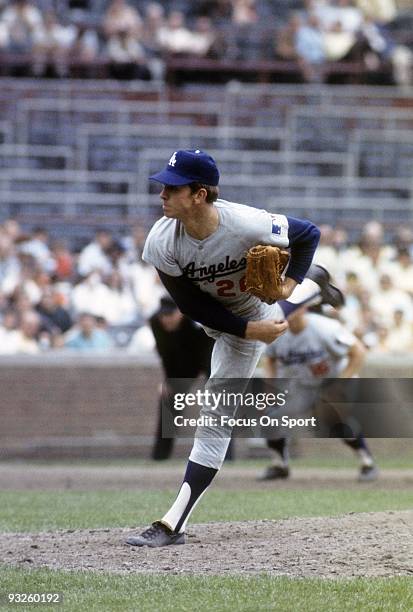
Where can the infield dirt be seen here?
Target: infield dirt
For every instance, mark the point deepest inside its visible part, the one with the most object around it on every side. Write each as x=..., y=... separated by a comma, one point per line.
x=365, y=545
x=354, y=544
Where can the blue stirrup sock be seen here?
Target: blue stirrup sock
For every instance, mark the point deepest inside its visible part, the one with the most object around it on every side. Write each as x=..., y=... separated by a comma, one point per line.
x=196, y=481
x=359, y=445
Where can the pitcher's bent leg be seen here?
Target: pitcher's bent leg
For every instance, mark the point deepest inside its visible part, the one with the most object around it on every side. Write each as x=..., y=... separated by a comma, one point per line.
x=231, y=358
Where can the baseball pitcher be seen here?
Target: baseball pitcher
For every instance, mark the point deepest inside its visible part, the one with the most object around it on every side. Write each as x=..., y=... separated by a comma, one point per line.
x=199, y=248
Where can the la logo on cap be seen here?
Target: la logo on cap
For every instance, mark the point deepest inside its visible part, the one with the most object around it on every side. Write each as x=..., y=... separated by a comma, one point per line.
x=172, y=161
x=188, y=166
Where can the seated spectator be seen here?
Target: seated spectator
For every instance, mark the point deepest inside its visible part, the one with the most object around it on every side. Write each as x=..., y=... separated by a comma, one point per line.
x=349, y=16
x=285, y=48
x=388, y=298
x=120, y=307
x=8, y=326
x=12, y=228
x=94, y=255
x=329, y=14
x=309, y=41
x=37, y=246
x=301, y=41
x=174, y=37
x=52, y=44
x=403, y=239
x=121, y=17
x=126, y=55
x=402, y=270
x=64, y=261
x=244, y=12
x=83, y=51
x=89, y=295
x=204, y=38
x=372, y=234
x=341, y=44
x=50, y=310
x=400, y=334
x=23, y=21
x=31, y=281
x=369, y=257
x=86, y=336
x=25, y=337
x=117, y=257
x=154, y=20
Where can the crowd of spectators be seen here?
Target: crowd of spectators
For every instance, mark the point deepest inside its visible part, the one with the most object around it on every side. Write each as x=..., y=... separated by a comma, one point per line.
x=377, y=279
x=102, y=297
x=345, y=30
x=51, y=297
x=132, y=41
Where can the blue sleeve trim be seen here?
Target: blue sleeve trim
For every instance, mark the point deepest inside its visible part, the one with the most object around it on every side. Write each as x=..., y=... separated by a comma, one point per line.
x=303, y=237
x=202, y=307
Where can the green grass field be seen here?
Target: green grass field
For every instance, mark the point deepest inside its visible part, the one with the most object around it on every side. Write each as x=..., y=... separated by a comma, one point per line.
x=106, y=592
x=340, y=459
x=45, y=510
x=33, y=510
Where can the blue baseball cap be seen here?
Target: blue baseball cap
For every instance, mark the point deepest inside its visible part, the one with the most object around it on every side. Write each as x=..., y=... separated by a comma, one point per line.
x=188, y=166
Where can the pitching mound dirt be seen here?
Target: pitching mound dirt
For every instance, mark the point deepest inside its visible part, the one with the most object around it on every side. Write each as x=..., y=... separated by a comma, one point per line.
x=368, y=544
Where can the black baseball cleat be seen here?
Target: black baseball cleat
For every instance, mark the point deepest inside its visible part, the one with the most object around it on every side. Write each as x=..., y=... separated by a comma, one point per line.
x=329, y=293
x=368, y=473
x=275, y=472
x=155, y=536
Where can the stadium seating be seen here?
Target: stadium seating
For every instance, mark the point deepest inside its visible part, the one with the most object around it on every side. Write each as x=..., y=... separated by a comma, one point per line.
x=73, y=148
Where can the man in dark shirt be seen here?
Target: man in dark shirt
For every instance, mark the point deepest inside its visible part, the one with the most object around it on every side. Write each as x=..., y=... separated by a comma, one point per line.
x=185, y=351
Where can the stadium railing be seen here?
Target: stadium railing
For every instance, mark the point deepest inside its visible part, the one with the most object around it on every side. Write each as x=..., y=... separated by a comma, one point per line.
x=35, y=156
x=350, y=146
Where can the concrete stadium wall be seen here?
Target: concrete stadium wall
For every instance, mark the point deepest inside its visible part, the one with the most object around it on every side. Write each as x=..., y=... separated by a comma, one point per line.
x=69, y=406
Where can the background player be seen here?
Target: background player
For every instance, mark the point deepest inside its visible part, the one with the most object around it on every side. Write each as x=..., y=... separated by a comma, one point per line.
x=199, y=249
x=314, y=347
x=185, y=352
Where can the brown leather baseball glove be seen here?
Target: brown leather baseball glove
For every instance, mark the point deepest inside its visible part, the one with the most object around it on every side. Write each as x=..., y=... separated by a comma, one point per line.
x=265, y=265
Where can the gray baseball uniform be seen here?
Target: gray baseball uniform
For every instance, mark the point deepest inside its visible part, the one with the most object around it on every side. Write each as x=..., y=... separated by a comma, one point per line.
x=217, y=265
x=317, y=352
x=206, y=280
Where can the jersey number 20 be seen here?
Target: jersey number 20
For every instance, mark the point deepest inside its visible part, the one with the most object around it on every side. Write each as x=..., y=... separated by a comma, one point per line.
x=226, y=287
